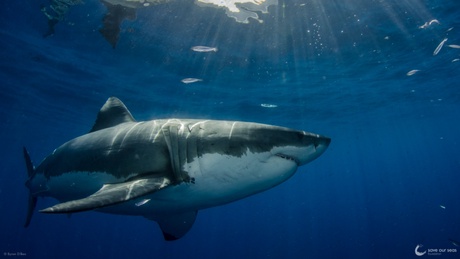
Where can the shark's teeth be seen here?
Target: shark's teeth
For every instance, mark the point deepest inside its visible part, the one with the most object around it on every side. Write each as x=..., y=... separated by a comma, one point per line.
x=288, y=158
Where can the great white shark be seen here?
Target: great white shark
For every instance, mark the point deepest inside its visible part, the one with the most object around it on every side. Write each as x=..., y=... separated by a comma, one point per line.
x=168, y=169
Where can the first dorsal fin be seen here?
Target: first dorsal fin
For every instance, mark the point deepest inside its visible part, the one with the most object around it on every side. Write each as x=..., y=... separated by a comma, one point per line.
x=113, y=112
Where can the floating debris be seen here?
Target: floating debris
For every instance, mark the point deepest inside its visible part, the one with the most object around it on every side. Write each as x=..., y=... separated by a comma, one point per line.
x=204, y=49
x=190, y=80
x=425, y=25
x=240, y=10
x=267, y=105
x=412, y=72
x=454, y=46
x=439, y=47
x=442, y=207
x=144, y=201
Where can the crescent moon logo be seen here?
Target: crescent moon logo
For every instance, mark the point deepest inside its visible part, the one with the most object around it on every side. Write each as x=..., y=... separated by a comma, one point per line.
x=417, y=252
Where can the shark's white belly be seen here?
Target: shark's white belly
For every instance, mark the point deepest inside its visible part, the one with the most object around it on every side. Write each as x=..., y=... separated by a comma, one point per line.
x=217, y=180
x=225, y=180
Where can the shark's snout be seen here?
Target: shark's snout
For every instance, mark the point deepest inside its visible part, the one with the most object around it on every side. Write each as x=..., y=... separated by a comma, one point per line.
x=314, y=146
x=321, y=144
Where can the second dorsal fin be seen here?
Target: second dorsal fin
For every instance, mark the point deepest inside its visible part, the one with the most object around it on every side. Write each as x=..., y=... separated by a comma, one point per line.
x=113, y=112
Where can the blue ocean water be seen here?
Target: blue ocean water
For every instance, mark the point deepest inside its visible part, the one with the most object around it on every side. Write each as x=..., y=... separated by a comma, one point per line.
x=388, y=182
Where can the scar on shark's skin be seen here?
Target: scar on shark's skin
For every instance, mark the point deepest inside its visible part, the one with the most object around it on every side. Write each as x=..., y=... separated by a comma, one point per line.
x=166, y=169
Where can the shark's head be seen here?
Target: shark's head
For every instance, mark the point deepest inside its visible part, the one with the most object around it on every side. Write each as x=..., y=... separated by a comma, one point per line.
x=245, y=138
x=237, y=159
x=296, y=146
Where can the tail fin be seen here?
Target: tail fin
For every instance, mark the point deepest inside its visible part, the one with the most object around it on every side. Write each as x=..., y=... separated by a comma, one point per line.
x=32, y=199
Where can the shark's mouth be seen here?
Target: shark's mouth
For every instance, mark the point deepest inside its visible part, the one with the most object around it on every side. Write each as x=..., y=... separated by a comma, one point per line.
x=290, y=158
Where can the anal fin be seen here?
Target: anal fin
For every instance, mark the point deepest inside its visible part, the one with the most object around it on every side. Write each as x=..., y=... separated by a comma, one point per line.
x=111, y=194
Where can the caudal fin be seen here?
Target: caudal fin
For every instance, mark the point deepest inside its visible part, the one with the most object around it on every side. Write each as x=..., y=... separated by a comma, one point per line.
x=32, y=200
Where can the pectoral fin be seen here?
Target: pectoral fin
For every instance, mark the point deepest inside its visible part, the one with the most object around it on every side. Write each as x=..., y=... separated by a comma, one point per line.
x=111, y=194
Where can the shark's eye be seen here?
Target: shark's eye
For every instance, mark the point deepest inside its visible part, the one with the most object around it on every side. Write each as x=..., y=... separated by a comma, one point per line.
x=300, y=135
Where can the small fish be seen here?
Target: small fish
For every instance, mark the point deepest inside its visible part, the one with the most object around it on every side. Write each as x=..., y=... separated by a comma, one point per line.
x=204, y=49
x=439, y=47
x=144, y=201
x=267, y=105
x=434, y=21
x=454, y=46
x=190, y=80
x=425, y=25
x=442, y=207
x=455, y=60
x=412, y=72
x=454, y=242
